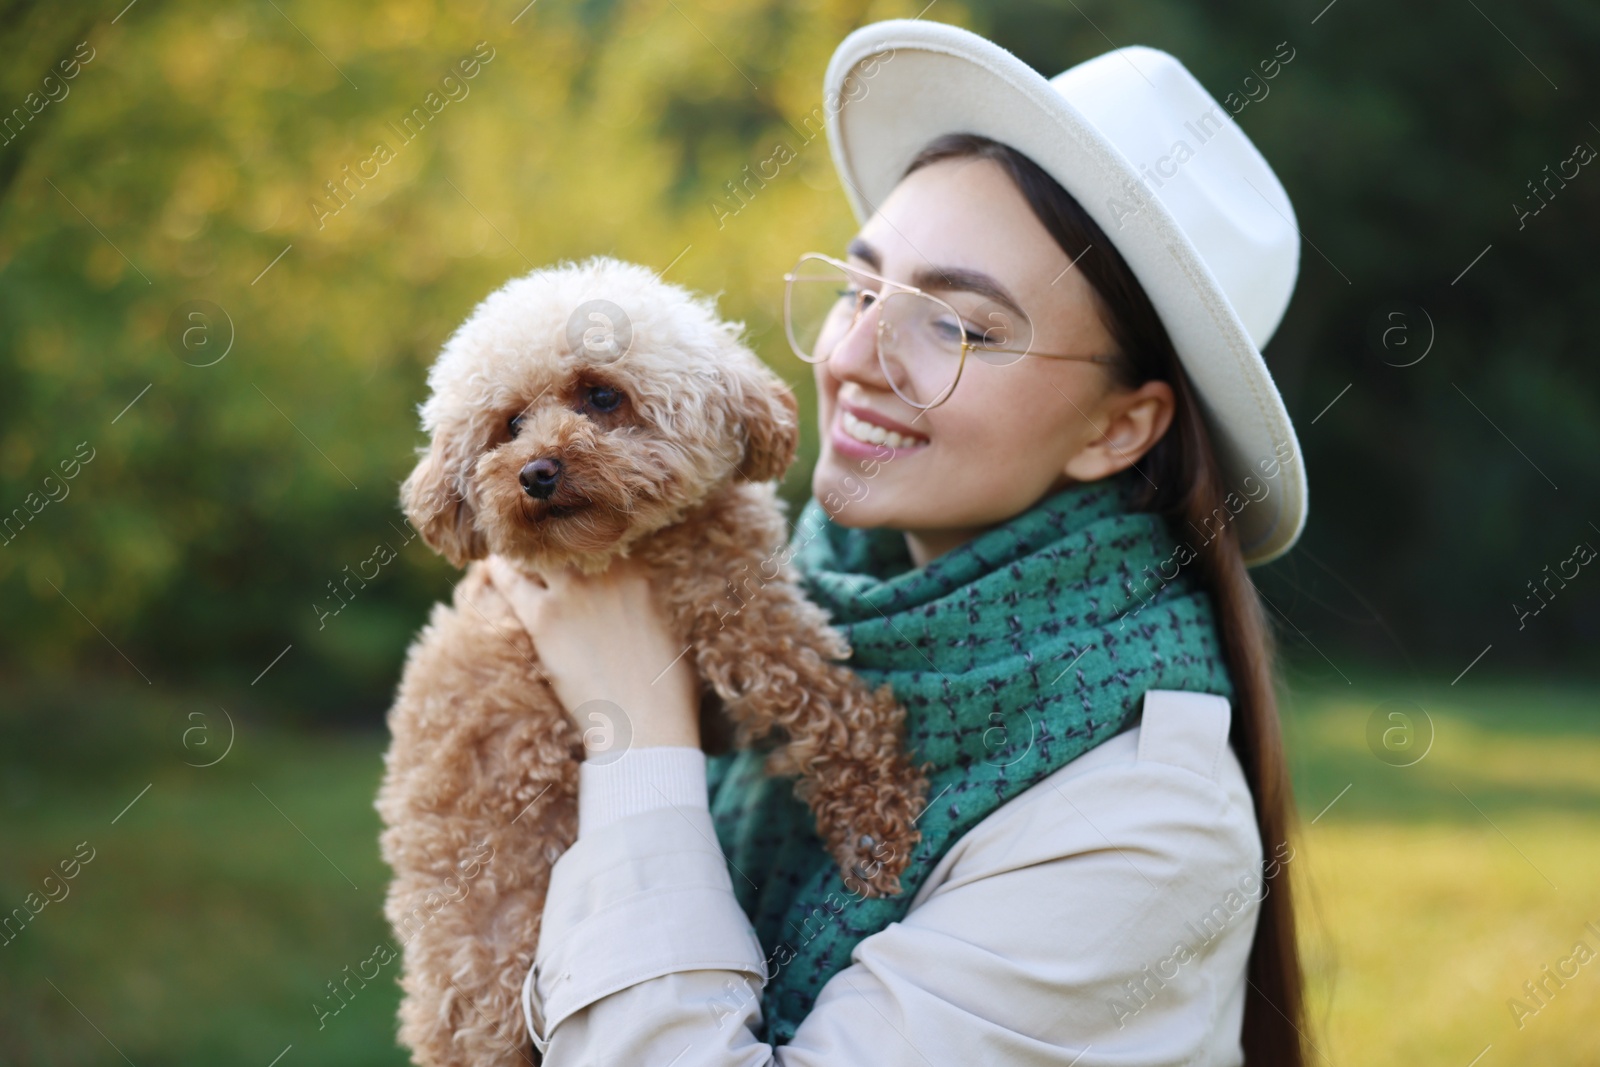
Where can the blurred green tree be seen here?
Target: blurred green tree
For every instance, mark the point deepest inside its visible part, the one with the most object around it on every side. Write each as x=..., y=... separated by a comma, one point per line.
x=246, y=460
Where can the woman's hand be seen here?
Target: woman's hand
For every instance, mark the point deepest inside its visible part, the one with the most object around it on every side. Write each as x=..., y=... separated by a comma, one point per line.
x=603, y=638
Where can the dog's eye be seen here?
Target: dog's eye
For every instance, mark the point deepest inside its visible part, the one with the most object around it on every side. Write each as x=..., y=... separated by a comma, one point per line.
x=604, y=398
x=514, y=425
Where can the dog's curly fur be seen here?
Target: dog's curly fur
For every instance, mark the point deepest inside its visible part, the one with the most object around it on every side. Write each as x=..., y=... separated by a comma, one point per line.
x=675, y=467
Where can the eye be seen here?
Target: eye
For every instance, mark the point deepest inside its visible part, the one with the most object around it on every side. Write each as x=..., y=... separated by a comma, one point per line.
x=952, y=331
x=996, y=335
x=514, y=425
x=850, y=294
x=604, y=398
x=982, y=338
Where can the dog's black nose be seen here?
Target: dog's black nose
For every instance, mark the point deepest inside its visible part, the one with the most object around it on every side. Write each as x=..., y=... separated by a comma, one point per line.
x=540, y=477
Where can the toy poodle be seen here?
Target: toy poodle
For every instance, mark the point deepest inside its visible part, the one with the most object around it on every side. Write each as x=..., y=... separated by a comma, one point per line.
x=585, y=412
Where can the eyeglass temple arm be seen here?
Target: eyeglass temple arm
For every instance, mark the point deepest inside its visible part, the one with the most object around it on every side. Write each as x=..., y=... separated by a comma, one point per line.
x=1047, y=355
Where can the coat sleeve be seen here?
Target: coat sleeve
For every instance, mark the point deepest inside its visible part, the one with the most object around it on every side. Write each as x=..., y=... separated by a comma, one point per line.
x=1102, y=917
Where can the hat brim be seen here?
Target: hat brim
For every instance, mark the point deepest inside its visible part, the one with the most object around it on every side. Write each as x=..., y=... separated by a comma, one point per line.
x=926, y=79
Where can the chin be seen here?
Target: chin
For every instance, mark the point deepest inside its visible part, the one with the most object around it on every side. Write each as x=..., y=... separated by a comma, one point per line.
x=851, y=496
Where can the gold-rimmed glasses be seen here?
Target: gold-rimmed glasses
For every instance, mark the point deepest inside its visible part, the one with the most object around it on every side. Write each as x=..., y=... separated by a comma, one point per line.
x=922, y=340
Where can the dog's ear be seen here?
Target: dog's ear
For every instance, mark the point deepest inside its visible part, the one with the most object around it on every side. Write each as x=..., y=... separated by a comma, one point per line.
x=767, y=409
x=433, y=501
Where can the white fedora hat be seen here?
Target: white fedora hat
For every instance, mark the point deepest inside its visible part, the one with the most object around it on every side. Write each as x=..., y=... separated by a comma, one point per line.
x=1163, y=169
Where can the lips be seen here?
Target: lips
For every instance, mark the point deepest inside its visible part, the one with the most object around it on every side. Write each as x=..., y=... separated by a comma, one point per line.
x=869, y=427
x=861, y=434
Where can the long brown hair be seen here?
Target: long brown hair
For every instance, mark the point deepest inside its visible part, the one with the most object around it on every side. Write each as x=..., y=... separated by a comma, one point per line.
x=1186, y=485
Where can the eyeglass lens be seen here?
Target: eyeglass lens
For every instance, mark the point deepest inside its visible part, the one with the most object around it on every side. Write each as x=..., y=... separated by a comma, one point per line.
x=919, y=337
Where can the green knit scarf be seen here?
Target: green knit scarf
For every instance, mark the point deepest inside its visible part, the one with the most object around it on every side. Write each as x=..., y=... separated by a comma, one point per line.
x=1013, y=654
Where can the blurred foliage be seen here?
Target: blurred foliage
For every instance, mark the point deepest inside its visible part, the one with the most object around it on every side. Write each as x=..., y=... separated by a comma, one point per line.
x=182, y=162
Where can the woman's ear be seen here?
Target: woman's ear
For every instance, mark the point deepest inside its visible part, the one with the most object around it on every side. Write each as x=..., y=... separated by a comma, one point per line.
x=434, y=503
x=770, y=415
x=1133, y=421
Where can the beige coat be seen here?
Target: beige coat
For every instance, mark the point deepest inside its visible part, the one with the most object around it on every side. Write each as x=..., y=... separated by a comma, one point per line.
x=1102, y=917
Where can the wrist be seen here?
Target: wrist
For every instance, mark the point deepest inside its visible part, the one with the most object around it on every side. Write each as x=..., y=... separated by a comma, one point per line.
x=663, y=731
x=610, y=728
x=666, y=713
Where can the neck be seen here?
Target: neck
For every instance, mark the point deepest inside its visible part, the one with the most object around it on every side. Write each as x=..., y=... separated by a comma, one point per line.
x=928, y=545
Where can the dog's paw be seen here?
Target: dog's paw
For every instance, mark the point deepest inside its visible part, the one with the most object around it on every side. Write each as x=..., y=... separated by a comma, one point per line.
x=872, y=867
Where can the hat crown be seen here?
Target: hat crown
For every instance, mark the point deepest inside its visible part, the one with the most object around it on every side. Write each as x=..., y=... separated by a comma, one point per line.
x=1195, y=161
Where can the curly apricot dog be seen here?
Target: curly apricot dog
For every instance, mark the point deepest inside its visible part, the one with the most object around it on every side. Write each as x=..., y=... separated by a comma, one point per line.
x=557, y=440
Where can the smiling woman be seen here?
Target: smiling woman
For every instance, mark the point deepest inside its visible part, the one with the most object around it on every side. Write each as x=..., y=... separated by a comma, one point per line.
x=976, y=419
x=1018, y=416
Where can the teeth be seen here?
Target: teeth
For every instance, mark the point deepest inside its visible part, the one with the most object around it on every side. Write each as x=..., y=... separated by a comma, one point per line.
x=873, y=434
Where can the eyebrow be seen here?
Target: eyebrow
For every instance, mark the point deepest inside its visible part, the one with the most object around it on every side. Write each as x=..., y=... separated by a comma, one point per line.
x=943, y=279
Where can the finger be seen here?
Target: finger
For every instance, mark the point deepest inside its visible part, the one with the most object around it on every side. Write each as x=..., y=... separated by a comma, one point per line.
x=511, y=580
x=560, y=579
x=637, y=575
x=630, y=567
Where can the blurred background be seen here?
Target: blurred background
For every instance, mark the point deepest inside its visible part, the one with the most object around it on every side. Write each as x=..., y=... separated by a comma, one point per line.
x=213, y=342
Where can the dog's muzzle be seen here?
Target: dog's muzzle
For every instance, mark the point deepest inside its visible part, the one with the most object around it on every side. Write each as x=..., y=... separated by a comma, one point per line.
x=540, y=477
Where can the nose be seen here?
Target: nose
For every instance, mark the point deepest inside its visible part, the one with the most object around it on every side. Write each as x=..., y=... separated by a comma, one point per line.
x=855, y=356
x=540, y=477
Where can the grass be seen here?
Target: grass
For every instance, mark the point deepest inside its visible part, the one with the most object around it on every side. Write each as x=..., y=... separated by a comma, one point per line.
x=1434, y=891
x=217, y=907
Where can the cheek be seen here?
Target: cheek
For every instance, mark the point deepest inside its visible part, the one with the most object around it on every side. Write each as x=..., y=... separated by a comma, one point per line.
x=1009, y=429
x=825, y=383
x=998, y=414
x=827, y=387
